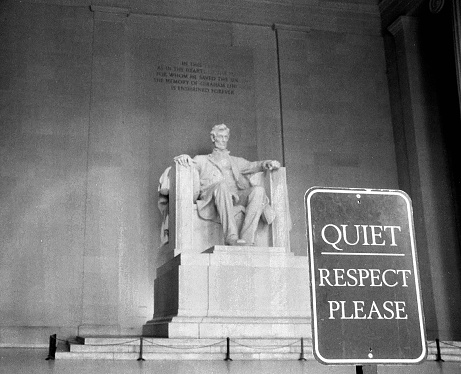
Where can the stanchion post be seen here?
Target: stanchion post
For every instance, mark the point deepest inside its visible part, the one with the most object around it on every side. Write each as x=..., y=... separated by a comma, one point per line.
x=228, y=350
x=52, y=347
x=301, y=357
x=140, y=358
x=438, y=355
x=366, y=369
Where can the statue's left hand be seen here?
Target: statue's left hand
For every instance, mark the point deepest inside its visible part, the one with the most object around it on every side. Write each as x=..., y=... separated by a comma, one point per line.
x=184, y=160
x=271, y=165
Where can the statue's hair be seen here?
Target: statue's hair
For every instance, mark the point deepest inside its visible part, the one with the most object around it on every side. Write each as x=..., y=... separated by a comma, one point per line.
x=217, y=128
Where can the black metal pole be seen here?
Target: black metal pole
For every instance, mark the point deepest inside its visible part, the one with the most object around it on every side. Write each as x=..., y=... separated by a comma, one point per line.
x=438, y=355
x=228, y=351
x=301, y=357
x=52, y=347
x=366, y=369
x=140, y=358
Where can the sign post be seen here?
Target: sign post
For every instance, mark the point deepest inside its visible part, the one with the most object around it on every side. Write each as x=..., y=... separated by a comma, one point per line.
x=365, y=288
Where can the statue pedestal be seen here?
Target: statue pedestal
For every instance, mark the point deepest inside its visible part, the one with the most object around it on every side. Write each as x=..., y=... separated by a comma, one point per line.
x=240, y=292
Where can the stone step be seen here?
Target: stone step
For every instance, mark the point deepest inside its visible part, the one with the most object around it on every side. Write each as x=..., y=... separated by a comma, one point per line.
x=128, y=348
x=178, y=356
x=449, y=351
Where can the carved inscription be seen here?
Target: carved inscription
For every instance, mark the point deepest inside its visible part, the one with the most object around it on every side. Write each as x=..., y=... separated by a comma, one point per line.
x=194, y=76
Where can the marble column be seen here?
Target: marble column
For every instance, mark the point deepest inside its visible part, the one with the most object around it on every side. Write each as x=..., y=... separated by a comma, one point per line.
x=457, y=42
x=428, y=179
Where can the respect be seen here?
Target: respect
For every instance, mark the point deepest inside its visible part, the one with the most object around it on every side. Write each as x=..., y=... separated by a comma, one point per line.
x=363, y=277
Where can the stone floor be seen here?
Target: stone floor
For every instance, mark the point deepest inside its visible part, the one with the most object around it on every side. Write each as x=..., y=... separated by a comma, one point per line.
x=33, y=361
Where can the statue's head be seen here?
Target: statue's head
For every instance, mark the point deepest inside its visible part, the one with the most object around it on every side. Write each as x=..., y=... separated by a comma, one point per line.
x=220, y=136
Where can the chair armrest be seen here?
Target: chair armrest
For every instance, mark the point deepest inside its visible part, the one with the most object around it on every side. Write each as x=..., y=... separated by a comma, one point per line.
x=181, y=207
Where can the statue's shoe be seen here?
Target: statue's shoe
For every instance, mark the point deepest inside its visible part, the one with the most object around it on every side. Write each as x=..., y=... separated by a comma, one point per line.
x=236, y=242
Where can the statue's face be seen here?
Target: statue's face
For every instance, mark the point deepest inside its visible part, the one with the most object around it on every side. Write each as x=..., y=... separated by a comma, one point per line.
x=220, y=139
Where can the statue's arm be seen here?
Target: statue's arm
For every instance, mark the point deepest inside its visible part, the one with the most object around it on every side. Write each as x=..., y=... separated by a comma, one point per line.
x=270, y=165
x=248, y=167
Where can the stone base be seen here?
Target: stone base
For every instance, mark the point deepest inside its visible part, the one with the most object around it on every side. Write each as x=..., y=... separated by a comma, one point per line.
x=209, y=327
x=244, y=292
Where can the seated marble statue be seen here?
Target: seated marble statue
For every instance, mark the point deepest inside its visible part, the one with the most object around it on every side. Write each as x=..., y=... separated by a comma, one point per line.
x=224, y=183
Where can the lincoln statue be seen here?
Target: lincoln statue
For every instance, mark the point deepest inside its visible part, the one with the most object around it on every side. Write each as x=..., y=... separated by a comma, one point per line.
x=224, y=183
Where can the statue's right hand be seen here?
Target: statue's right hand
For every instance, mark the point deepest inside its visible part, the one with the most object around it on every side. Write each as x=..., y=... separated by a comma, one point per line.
x=184, y=160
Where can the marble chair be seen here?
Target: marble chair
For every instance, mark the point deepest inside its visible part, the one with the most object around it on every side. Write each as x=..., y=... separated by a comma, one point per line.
x=188, y=233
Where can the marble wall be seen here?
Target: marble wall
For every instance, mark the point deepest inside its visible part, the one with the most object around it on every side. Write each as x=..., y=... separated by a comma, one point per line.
x=86, y=132
x=336, y=115
x=45, y=90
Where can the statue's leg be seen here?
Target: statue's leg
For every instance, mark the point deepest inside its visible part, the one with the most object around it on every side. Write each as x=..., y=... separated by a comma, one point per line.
x=224, y=206
x=254, y=208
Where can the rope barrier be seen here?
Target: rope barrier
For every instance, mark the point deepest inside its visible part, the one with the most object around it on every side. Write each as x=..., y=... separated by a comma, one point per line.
x=268, y=347
x=449, y=344
x=438, y=354
x=190, y=347
x=53, y=340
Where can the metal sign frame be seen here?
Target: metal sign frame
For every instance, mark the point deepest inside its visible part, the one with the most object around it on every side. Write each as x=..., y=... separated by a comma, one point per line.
x=369, y=359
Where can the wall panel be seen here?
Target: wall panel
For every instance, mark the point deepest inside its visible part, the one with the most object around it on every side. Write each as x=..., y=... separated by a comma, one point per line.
x=46, y=57
x=336, y=115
